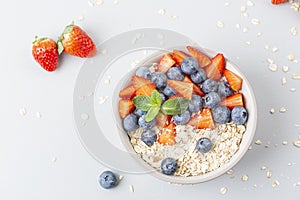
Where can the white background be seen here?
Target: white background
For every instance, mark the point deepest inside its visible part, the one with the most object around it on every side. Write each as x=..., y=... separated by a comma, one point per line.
x=28, y=144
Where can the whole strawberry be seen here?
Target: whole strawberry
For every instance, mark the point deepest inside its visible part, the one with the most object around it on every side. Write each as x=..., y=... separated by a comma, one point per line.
x=45, y=52
x=76, y=42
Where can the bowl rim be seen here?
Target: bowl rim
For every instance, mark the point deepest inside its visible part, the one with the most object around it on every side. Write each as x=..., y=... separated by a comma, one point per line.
x=225, y=167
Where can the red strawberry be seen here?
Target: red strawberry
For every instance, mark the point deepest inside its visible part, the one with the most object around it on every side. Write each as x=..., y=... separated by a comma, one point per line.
x=203, y=120
x=234, y=80
x=76, y=42
x=216, y=68
x=196, y=89
x=126, y=107
x=233, y=100
x=179, y=56
x=143, y=86
x=202, y=59
x=167, y=136
x=165, y=63
x=183, y=88
x=44, y=51
x=278, y=1
x=162, y=120
x=128, y=92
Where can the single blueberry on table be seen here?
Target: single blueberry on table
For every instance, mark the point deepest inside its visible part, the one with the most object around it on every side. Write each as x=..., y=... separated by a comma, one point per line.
x=107, y=180
x=159, y=79
x=146, y=125
x=212, y=99
x=130, y=123
x=239, y=115
x=148, y=137
x=175, y=73
x=182, y=118
x=199, y=76
x=189, y=65
x=221, y=114
x=168, y=91
x=143, y=72
x=209, y=85
x=196, y=103
x=224, y=89
x=169, y=166
x=204, y=145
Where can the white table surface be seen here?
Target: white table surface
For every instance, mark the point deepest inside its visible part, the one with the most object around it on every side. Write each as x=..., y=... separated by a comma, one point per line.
x=42, y=158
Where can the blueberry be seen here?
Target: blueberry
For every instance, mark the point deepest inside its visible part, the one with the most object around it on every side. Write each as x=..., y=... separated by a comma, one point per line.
x=169, y=166
x=204, y=145
x=175, y=73
x=182, y=118
x=221, y=114
x=212, y=99
x=159, y=79
x=189, y=65
x=130, y=123
x=168, y=91
x=163, y=97
x=143, y=72
x=224, y=90
x=196, y=103
x=139, y=112
x=209, y=85
x=107, y=180
x=146, y=125
x=199, y=76
x=148, y=137
x=239, y=115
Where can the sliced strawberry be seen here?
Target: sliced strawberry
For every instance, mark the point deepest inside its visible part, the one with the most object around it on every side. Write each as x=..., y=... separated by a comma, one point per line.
x=234, y=80
x=145, y=90
x=128, y=92
x=203, y=120
x=126, y=106
x=216, y=68
x=162, y=120
x=183, y=88
x=175, y=96
x=165, y=63
x=233, y=100
x=202, y=59
x=167, y=136
x=179, y=56
x=278, y=1
x=196, y=89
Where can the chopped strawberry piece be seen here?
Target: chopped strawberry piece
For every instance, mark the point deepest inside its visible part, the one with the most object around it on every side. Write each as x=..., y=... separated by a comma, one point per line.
x=145, y=90
x=179, y=56
x=202, y=59
x=196, y=89
x=167, y=136
x=234, y=80
x=278, y=1
x=126, y=106
x=183, y=88
x=216, y=68
x=233, y=101
x=162, y=120
x=140, y=81
x=203, y=120
x=128, y=92
x=165, y=63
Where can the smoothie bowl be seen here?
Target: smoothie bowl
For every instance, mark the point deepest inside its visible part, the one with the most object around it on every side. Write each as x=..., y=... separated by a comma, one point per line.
x=186, y=115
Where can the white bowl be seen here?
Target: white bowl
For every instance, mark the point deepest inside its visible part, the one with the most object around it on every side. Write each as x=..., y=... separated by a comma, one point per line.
x=250, y=104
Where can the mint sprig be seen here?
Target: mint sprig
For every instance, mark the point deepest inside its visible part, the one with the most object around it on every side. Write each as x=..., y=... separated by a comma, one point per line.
x=152, y=105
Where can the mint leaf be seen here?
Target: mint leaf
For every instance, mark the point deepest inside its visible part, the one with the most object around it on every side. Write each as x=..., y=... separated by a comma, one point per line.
x=155, y=98
x=175, y=106
x=142, y=102
x=151, y=114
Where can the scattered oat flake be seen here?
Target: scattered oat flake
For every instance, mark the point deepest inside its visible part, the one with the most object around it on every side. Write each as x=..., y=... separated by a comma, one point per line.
x=285, y=69
x=293, y=89
x=245, y=14
x=54, y=159
x=259, y=34
x=99, y=2
x=258, y=142
x=291, y=57
x=162, y=12
x=284, y=142
x=298, y=183
x=283, y=80
x=121, y=177
x=267, y=46
x=250, y=147
x=248, y=42
x=243, y=9
x=272, y=111
x=104, y=51
x=296, y=143
x=245, y=178
x=116, y=2
x=38, y=115
x=173, y=17
x=282, y=110
x=296, y=76
x=275, y=49
x=238, y=26
x=273, y=67
x=275, y=183
x=80, y=18
x=226, y=4
x=22, y=111
x=263, y=167
x=230, y=172
x=107, y=81
x=250, y=3
x=102, y=99
x=269, y=174
x=255, y=21
x=84, y=116
x=91, y=4
x=223, y=190
x=220, y=24
x=294, y=31
x=245, y=30
x=131, y=188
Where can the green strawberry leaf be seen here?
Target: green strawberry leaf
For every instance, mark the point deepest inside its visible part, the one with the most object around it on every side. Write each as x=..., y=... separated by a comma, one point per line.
x=60, y=47
x=152, y=113
x=175, y=106
x=155, y=98
x=142, y=102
